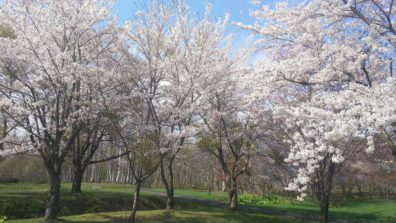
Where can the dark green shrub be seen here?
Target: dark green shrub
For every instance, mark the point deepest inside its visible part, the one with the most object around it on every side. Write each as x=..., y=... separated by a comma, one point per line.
x=21, y=209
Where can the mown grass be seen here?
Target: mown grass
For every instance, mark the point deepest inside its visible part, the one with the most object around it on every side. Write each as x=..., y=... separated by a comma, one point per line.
x=201, y=194
x=198, y=215
x=369, y=211
x=111, y=203
x=374, y=211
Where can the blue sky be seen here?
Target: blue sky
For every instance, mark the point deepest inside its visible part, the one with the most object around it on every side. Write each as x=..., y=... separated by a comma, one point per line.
x=238, y=9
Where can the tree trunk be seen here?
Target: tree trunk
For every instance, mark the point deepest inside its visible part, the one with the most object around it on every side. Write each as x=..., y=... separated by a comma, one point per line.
x=325, y=176
x=350, y=188
x=130, y=176
x=359, y=188
x=223, y=186
x=169, y=187
x=388, y=192
x=233, y=194
x=371, y=191
x=78, y=175
x=52, y=206
x=109, y=177
x=117, y=179
x=92, y=173
x=269, y=189
x=136, y=194
x=324, y=209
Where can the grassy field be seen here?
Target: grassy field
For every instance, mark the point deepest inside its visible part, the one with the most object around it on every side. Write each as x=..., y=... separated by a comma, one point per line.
x=215, y=196
x=111, y=203
x=375, y=211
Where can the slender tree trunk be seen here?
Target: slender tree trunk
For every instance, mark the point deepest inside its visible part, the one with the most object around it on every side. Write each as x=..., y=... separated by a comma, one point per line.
x=290, y=196
x=108, y=175
x=223, y=186
x=233, y=194
x=359, y=187
x=269, y=189
x=128, y=180
x=350, y=188
x=92, y=173
x=169, y=187
x=132, y=217
x=117, y=179
x=388, y=192
x=371, y=191
x=85, y=176
x=52, y=206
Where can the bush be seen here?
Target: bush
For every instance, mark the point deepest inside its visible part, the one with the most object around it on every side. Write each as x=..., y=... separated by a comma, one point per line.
x=251, y=199
x=273, y=200
x=337, y=204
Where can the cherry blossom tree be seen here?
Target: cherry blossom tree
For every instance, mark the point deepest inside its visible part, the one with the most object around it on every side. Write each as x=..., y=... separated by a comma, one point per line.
x=228, y=129
x=338, y=55
x=57, y=59
x=6, y=126
x=201, y=46
x=172, y=55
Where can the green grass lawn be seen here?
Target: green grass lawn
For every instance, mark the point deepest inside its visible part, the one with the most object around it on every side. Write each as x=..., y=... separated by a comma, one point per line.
x=111, y=203
x=216, y=196
x=375, y=211
x=200, y=214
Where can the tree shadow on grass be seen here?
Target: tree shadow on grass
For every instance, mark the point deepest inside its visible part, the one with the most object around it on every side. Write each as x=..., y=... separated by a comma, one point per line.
x=336, y=216
x=214, y=215
x=350, y=217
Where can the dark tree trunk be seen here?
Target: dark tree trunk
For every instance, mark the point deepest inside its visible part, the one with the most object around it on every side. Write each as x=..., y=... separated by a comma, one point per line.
x=371, y=191
x=290, y=196
x=324, y=209
x=388, y=192
x=233, y=194
x=325, y=178
x=78, y=175
x=359, y=188
x=52, y=206
x=132, y=217
x=169, y=187
x=350, y=188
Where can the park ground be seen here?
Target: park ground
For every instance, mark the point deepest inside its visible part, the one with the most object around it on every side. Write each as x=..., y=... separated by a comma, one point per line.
x=111, y=203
